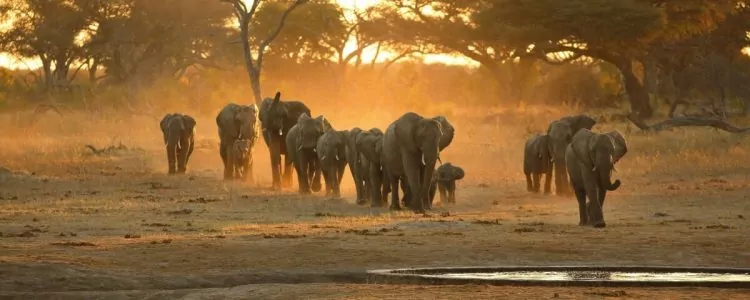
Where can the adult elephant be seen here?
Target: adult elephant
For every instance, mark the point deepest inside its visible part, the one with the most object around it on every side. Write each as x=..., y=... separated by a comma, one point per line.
x=590, y=159
x=302, y=142
x=356, y=165
x=235, y=122
x=331, y=151
x=370, y=146
x=561, y=132
x=179, y=137
x=411, y=145
x=277, y=118
x=446, y=137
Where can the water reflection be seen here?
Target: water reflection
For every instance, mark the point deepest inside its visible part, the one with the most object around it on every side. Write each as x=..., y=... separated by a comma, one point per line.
x=598, y=276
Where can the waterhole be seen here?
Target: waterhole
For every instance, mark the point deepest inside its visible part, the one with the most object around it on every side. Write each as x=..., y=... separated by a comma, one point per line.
x=570, y=276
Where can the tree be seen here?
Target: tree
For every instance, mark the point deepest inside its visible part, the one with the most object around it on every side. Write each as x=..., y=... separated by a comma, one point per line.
x=621, y=32
x=254, y=62
x=46, y=30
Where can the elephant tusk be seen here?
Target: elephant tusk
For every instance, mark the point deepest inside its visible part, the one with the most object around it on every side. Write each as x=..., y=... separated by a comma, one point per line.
x=540, y=155
x=337, y=157
x=315, y=150
x=323, y=158
x=423, y=162
x=594, y=169
x=281, y=132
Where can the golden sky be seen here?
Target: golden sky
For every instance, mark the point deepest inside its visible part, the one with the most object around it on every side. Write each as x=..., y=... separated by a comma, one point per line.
x=367, y=55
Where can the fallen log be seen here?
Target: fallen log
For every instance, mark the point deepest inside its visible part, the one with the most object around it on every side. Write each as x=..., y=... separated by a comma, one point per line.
x=688, y=121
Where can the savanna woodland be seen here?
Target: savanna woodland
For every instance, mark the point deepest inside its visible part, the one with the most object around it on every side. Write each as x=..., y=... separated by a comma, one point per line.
x=293, y=133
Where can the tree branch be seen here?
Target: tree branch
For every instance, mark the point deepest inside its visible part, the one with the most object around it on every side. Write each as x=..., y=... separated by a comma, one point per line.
x=687, y=121
x=276, y=32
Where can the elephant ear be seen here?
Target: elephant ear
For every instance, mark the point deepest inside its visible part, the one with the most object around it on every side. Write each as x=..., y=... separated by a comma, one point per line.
x=448, y=131
x=405, y=129
x=621, y=147
x=581, y=121
x=276, y=98
x=163, y=124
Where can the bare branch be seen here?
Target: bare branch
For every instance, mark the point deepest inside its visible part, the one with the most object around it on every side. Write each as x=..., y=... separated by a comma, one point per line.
x=687, y=121
x=276, y=32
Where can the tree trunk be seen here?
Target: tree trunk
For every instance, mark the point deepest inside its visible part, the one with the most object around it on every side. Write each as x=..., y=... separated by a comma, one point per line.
x=637, y=93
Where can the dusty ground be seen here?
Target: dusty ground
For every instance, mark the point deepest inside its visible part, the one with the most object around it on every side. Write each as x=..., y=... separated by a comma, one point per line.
x=78, y=225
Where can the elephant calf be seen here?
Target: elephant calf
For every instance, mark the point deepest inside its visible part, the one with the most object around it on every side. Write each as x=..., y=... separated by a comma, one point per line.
x=444, y=180
x=537, y=160
x=179, y=139
x=240, y=159
x=590, y=160
x=331, y=151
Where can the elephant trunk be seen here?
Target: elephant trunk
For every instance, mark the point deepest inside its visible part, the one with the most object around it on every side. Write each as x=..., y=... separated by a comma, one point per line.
x=604, y=173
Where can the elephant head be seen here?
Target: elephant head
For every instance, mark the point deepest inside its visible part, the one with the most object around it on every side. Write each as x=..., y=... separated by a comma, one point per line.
x=246, y=119
x=560, y=133
x=310, y=130
x=370, y=144
x=596, y=152
x=447, y=130
x=273, y=113
x=621, y=147
x=420, y=135
x=448, y=172
x=579, y=122
x=175, y=127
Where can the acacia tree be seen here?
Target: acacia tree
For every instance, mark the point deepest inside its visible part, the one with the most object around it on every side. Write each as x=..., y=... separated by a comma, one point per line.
x=254, y=61
x=45, y=30
x=621, y=32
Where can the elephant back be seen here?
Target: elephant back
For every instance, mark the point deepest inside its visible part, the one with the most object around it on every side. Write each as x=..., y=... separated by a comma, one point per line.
x=579, y=122
x=294, y=109
x=391, y=152
x=580, y=146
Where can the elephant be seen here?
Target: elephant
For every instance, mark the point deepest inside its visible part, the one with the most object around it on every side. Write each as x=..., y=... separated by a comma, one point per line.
x=277, y=118
x=411, y=146
x=331, y=151
x=590, y=160
x=356, y=165
x=237, y=122
x=561, y=132
x=370, y=145
x=302, y=141
x=240, y=158
x=444, y=180
x=179, y=139
x=448, y=131
x=537, y=160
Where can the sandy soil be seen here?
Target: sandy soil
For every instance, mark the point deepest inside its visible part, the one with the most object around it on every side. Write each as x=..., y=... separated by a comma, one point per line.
x=78, y=225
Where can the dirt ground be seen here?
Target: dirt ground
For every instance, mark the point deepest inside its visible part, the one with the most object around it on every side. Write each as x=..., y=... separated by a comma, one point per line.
x=113, y=225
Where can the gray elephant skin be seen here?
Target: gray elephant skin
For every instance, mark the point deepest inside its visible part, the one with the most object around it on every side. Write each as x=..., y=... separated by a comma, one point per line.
x=370, y=146
x=448, y=132
x=537, y=161
x=277, y=118
x=590, y=160
x=561, y=132
x=302, y=143
x=444, y=180
x=357, y=165
x=179, y=139
x=240, y=158
x=411, y=144
x=235, y=122
x=331, y=151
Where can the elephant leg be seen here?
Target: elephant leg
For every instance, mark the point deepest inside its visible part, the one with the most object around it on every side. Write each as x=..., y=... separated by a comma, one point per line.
x=452, y=192
x=413, y=171
x=432, y=192
x=394, y=182
x=536, y=178
x=336, y=181
x=354, y=170
x=583, y=213
x=405, y=188
x=595, y=216
x=341, y=167
x=386, y=185
x=287, y=171
x=248, y=174
x=316, y=172
x=375, y=182
x=561, y=179
x=223, y=149
x=273, y=149
x=171, y=157
x=443, y=192
x=547, y=182
x=327, y=180
x=184, y=154
x=529, y=183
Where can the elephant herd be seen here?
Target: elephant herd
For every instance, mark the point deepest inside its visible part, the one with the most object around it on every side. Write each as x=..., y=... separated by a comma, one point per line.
x=582, y=162
x=404, y=155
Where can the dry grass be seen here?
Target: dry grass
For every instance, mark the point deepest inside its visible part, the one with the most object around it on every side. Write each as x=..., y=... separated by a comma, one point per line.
x=118, y=222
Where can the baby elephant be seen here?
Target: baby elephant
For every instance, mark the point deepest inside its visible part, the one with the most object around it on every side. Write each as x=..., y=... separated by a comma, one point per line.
x=240, y=159
x=537, y=161
x=444, y=179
